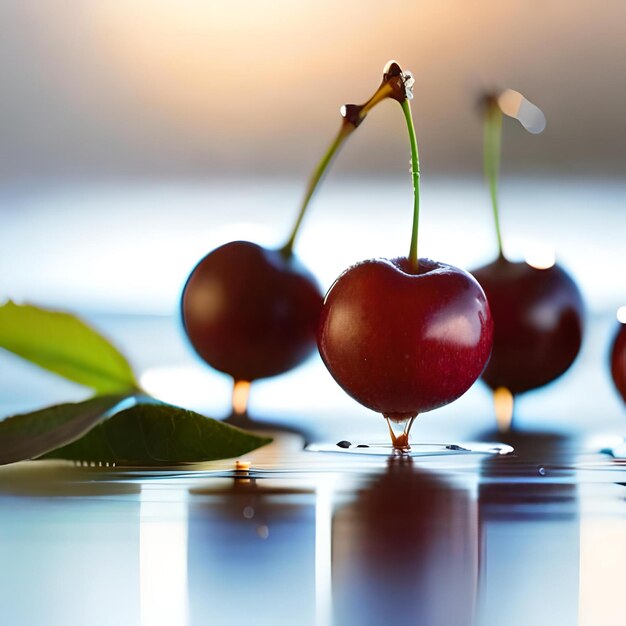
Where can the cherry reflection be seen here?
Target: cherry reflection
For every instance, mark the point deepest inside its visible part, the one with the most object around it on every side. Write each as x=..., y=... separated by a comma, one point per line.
x=407, y=548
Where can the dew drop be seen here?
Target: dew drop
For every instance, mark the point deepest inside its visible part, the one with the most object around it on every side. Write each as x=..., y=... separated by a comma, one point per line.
x=241, y=395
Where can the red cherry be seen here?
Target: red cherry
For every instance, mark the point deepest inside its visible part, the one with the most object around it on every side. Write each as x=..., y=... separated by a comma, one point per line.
x=250, y=312
x=538, y=323
x=618, y=360
x=400, y=342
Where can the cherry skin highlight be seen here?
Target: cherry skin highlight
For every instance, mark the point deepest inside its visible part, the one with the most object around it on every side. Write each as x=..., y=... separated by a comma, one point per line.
x=251, y=312
x=402, y=342
x=538, y=323
x=618, y=361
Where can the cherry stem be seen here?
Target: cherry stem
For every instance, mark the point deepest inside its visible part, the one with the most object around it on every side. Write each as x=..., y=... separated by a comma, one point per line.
x=353, y=116
x=491, y=159
x=316, y=177
x=415, y=172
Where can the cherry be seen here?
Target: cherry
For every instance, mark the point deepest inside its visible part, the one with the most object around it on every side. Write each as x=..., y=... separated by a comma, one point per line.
x=618, y=359
x=406, y=335
x=537, y=312
x=538, y=324
x=252, y=312
x=401, y=341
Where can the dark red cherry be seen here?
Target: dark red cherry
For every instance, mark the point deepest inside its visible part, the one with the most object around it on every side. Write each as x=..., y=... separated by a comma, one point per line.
x=250, y=312
x=402, y=342
x=538, y=323
x=618, y=360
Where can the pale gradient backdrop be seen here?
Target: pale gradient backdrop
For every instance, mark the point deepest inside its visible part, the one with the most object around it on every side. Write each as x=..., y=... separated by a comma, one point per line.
x=199, y=88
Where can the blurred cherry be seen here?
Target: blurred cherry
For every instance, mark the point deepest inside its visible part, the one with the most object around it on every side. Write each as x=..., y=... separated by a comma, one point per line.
x=618, y=358
x=538, y=312
x=538, y=323
x=251, y=312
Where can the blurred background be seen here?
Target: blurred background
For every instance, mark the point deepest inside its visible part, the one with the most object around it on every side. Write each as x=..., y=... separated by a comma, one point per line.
x=135, y=136
x=153, y=89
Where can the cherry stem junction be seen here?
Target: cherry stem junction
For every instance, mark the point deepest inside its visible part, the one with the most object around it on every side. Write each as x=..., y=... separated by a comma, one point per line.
x=353, y=115
x=415, y=173
x=492, y=142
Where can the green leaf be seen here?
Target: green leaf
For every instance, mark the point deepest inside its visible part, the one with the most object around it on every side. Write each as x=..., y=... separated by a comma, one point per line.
x=159, y=434
x=63, y=344
x=30, y=435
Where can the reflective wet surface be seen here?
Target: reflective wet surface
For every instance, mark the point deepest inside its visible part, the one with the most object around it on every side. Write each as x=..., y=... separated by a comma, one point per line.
x=537, y=537
x=326, y=538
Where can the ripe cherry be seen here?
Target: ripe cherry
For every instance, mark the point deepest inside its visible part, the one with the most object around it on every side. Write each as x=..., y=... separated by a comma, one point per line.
x=618, y=357
x=403, y=341
x=538, y=324
x=537, y=312
x=407, y=335
x=252, y=312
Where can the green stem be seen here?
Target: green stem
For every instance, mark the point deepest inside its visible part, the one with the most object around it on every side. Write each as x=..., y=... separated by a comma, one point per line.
x=415, y=172
x=350, y=123
x=491, y=160
x=344, y=132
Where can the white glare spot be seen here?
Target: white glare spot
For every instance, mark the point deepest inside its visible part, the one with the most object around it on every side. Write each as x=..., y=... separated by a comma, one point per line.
x=529, y=115
x=192, y=387
x=541, y=257
x=408, y=81
x=621, y=315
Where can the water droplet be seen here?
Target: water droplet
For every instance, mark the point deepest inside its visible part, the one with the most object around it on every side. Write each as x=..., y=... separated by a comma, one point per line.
x=241, y=395
x=343, y=444
x=541, y=471
x=399, y=429
x=504, y=403
x=248, y=512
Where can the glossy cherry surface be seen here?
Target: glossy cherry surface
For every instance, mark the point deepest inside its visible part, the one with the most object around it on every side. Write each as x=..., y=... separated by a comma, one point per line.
x=538, y=323
x=618, y=360
x=402, y=343
x=250, y=312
